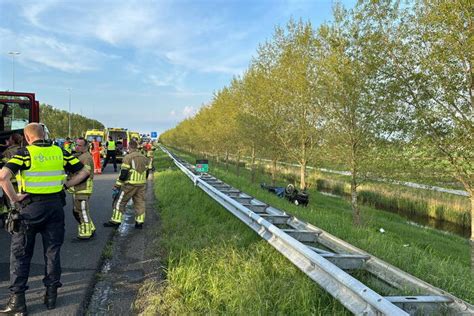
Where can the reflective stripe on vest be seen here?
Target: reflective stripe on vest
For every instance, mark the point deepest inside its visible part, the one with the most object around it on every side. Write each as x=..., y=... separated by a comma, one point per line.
x=46, y=173
x=136, y=177
x=111, y=145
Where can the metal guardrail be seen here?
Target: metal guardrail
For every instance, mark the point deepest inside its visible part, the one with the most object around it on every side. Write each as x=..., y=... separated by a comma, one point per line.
x=327, y=259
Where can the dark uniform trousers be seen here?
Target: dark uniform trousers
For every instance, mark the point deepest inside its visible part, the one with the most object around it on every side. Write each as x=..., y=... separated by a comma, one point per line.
x=46, y=217
x=111, y=154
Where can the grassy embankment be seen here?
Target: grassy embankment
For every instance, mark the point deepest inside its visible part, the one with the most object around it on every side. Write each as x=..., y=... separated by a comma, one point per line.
x=215, y=264
x=391, y=197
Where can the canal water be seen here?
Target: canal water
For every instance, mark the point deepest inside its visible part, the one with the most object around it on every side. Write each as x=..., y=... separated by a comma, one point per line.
x=423, y=221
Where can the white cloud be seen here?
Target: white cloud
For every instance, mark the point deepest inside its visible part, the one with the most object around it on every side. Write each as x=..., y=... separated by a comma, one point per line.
x=186, y=112
x=189, y=111
x=173, y=78
x=50, y=52
x=199, y=42
x=208, y=64
x=127, y=24
x=32, y=11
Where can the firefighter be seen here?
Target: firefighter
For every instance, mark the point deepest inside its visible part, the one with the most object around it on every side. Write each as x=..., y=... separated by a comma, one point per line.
x=14, y=143
x=132, y=185
x=111, y=153
x=149, y=154
x=41, y=166
x=95, y=151
x=82, y=192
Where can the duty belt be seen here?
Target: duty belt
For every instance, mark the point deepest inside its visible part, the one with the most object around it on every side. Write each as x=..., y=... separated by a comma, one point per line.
x=38, y=198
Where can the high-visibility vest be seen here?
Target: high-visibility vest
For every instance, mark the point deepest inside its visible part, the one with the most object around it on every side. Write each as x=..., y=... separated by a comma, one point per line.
x=111, y=145
x=46, y=173
x=135, y=177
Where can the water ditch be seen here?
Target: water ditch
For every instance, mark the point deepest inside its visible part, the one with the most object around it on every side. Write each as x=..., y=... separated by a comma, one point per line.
x=420, y=221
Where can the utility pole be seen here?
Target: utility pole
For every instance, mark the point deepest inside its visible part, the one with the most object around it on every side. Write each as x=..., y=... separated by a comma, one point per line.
x=13, y=54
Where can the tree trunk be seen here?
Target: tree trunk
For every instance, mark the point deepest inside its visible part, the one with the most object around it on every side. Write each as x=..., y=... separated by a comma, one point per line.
x=238, y=164
x=303, y=163
x=274, y=171
x=303, y=175
x=354, y=204
x=253, y=165
x=471, y=198
x=471, y=241
x=226, y=160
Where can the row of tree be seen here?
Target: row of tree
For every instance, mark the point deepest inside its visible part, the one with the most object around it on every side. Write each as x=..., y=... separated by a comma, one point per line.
x=383, y=90
x=57, y=122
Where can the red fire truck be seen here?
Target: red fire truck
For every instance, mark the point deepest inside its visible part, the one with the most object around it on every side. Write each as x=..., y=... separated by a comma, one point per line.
x=17, y=109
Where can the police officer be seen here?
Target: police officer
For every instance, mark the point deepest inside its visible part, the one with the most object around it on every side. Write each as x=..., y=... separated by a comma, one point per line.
x=14, y=143
x=41, y=166
x=13, y=146
x=132, y=184
x=81, y=193
x=68, y=145
x=111, y=153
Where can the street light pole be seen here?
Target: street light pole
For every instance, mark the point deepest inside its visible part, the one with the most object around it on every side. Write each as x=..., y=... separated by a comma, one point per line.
x=69, y=116
x=13, y=54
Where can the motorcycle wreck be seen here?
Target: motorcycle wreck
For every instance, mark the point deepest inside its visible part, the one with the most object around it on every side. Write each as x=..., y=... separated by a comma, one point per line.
x=290, y=193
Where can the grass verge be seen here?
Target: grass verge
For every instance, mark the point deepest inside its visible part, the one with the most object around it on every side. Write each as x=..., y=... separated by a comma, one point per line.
x=215, y=264
x=441, y=206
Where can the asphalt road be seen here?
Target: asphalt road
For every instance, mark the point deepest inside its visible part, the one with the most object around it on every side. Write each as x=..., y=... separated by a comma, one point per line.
x=80, y=259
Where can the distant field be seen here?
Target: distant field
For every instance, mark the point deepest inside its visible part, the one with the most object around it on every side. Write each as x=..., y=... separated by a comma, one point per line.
x=216, y=265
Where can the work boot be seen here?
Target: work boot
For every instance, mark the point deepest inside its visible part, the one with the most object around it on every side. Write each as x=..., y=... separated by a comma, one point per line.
x=138, y=225
x=16, y=305
x=50, y=297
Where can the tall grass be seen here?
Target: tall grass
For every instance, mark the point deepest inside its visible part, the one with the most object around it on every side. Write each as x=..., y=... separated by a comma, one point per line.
x=385, y=196
x=400, y=199
x=217, y=265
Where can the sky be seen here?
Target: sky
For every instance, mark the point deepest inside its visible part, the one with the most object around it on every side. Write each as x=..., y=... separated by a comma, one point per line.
x=143, y=65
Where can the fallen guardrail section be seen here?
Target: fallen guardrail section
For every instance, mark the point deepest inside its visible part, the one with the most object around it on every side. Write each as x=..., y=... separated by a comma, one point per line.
x=327, y=259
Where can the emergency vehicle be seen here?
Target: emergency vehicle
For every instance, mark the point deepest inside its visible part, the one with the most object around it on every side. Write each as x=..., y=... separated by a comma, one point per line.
x=98, y=134
x=17, y=109
x=135, y=135
x=120, y=136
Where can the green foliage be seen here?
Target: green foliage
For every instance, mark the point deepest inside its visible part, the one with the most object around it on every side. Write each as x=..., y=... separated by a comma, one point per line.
x=384, y=90
x=57, y=122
